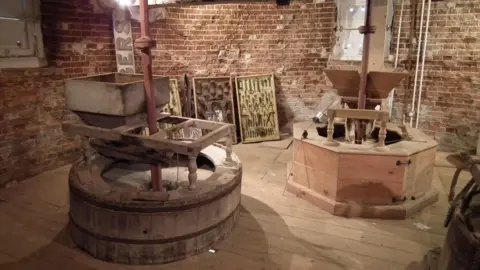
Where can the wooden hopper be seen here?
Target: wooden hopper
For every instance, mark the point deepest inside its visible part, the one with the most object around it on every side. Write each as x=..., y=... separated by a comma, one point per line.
x=379, y=84
x=345, y=81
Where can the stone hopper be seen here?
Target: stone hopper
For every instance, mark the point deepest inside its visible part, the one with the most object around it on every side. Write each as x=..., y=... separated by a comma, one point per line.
x=113, y=99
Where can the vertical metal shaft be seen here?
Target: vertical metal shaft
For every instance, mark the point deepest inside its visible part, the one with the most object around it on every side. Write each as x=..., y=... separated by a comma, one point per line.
x=145, y=44
x=364, y=70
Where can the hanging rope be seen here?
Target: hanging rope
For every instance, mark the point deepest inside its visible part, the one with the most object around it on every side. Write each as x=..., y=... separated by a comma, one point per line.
x=178, y=169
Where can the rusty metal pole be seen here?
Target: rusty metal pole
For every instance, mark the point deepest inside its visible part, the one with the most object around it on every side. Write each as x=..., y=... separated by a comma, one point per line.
x=366, y=30
x=145, y=44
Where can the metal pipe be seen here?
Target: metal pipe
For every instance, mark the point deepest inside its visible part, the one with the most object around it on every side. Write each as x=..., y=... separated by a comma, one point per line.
x=398, y=35
x=144, y=43
x=425, y=40
x=413, y=23
x=395, y=65
x=366, y=30
x=412, y=109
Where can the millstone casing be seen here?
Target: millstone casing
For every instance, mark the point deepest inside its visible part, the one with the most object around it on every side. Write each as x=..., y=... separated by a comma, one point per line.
x=138, y=227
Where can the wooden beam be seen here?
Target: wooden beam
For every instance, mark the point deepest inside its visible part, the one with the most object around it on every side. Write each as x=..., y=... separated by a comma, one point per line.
x=185, y=3
x=215, y=136
x=358, y=114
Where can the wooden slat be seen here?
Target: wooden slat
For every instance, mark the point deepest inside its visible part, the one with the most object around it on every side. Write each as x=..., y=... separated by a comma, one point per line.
x=214, y=136
x=359, y=114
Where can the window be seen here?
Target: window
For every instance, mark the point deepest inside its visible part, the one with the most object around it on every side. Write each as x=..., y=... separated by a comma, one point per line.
x=349, y=41
x=22, y=47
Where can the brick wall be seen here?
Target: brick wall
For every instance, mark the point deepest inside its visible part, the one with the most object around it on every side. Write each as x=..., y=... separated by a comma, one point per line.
x=293, y=42
x=450, y=108
x=78, y=43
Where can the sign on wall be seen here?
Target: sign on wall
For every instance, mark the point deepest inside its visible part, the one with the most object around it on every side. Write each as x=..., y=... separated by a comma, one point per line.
x=122, y=34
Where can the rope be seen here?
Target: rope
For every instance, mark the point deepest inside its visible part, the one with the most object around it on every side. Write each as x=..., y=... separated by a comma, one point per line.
x=178, y=169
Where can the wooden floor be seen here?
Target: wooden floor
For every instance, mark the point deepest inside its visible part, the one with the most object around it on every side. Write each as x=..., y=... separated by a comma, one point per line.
x=275, y=230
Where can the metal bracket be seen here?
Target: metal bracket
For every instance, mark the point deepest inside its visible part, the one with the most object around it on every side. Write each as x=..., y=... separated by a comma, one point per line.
x=403, y=163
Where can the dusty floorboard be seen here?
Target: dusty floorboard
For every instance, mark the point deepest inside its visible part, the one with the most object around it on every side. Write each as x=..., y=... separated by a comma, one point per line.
x=275, y=229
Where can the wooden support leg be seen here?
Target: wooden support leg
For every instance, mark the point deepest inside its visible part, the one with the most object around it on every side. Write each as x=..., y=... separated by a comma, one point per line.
x=192, y=172
x=87, y=151
x=347, y=130
x=170, y=158
x=330, y=130
x=382, y=135
x=228, y=151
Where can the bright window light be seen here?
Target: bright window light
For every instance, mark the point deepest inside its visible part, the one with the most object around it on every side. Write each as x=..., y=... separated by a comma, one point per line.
x=124, y=3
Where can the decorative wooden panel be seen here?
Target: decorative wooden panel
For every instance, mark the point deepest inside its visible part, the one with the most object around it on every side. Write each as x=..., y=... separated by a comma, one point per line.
x=257, y=108
x=213, y=100
x=174, y=106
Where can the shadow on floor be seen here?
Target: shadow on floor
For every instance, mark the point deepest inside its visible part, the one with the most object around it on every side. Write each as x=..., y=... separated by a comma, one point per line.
x=429, y=261
x=274, y=246
x=246, y=247
x=47, y=257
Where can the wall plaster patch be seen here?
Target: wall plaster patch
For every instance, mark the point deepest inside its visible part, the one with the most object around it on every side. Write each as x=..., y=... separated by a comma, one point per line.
x=122, y=34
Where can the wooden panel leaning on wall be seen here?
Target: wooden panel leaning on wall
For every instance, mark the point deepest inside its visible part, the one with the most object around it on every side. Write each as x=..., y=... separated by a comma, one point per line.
x=213, y=100
x=257, y=108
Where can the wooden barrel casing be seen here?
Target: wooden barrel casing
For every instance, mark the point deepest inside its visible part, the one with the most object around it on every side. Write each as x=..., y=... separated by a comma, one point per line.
x=122, y=227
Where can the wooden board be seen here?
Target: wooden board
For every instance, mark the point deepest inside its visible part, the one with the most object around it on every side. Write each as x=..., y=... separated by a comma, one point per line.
x=174, y=106
x=213, y=100
x=257, y=108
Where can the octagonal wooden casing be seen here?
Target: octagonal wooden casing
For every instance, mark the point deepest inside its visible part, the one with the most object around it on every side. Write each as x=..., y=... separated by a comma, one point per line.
x=358, y=181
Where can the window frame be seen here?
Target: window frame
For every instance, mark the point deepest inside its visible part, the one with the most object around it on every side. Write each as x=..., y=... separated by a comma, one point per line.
x=341, y=34
x=33, y=56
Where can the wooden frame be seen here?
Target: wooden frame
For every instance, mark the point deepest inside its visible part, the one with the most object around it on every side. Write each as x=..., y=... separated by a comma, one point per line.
x=131, y=134
x=174, y=99
x=344, y=30
x=196, y=80
x=30, y=52
x=244, y=136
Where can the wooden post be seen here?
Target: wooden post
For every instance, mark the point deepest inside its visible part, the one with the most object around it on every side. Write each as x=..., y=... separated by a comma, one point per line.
x=170, y=158
x=228, y=150
x=382, y=135
x=192, y=172
x=87, y=150
x=330, y=128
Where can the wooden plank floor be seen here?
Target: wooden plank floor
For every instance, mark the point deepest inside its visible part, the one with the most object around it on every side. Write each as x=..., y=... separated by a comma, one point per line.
x=275, y=230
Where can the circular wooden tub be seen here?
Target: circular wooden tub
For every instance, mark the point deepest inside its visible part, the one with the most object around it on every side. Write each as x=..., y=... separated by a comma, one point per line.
x=131, y=226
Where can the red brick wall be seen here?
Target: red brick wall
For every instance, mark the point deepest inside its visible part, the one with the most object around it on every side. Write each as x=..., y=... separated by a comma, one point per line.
x=293, y=42
x=450, y=107
x=78, y=43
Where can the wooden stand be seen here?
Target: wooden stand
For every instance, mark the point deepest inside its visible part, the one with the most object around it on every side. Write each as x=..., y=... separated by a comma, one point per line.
x=363, y=180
